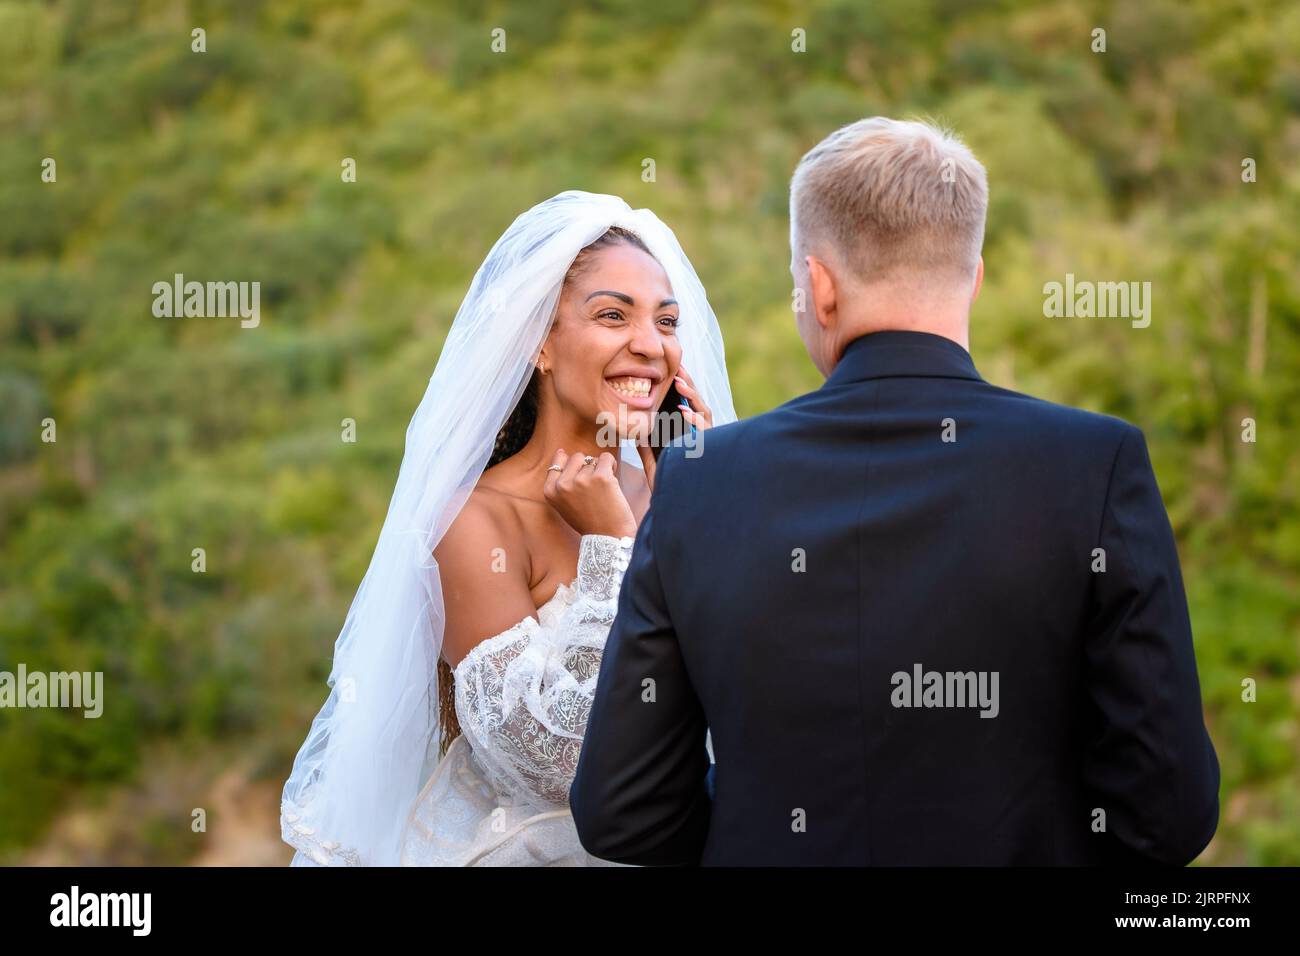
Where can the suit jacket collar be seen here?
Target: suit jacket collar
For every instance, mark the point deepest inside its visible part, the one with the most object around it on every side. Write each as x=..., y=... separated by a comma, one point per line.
x=895, y=354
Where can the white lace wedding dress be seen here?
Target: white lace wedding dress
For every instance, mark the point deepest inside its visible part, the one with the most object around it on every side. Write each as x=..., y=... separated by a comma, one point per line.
x=500, y=796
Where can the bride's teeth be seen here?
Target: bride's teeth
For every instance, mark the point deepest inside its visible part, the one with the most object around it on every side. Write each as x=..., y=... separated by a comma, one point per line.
x=632, y=387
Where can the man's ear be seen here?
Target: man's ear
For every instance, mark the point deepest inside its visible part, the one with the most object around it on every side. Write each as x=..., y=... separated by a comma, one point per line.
x=822, y=285
x=979, y=279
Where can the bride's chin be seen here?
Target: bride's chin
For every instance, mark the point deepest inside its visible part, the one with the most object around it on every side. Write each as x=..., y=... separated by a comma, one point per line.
x=638, y=425
x=626, y=421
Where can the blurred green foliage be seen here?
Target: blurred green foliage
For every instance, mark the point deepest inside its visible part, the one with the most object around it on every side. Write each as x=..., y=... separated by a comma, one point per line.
x=175, y=434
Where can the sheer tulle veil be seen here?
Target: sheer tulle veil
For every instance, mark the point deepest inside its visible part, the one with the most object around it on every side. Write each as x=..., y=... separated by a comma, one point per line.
x=375, y=740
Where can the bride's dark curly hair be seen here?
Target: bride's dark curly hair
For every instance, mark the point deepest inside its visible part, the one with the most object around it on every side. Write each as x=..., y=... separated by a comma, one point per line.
x=512, y=437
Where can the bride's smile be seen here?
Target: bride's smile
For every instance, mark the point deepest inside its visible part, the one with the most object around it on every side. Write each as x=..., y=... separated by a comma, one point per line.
x=614, y=347
x=634, y=388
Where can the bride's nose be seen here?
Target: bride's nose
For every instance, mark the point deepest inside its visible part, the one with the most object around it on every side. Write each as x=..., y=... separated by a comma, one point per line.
x=646, y=341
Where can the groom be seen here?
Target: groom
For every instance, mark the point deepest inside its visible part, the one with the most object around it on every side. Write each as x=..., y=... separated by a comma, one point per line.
x=927, y=620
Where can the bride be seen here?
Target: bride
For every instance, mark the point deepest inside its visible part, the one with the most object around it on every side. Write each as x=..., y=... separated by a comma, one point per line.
x=465, y=669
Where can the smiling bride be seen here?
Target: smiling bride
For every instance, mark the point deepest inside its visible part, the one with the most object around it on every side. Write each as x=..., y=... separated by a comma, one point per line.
x=470, y=654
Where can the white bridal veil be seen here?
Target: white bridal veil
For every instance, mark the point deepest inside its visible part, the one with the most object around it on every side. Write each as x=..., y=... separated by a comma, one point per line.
x=375, y=740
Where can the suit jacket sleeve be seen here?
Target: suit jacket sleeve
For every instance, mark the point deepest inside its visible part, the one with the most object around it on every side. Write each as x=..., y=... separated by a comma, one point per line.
x=639, y=793
x=1149, y=761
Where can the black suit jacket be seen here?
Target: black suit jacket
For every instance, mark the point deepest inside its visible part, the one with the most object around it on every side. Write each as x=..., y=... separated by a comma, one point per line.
x=907, y=514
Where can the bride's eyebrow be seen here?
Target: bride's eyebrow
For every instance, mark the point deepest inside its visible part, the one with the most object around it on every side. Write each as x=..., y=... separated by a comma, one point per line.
x=617, y=295
x=626, y=298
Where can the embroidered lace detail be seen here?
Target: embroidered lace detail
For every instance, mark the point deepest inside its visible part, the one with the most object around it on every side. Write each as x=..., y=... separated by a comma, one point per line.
x=523, y=696
x=500, y=796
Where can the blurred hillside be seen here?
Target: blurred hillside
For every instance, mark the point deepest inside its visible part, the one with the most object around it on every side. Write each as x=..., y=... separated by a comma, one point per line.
x=176, y=434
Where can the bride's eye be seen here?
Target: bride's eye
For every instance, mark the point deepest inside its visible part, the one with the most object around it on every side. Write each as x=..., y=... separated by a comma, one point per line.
x=610, y=314
x=672, y=320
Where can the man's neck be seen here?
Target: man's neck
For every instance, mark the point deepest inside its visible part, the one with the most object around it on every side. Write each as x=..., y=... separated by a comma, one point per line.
x=956, y=331
x=940, y=309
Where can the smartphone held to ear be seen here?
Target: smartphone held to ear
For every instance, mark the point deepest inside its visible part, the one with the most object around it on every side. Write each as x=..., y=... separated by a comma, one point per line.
x=670, y=424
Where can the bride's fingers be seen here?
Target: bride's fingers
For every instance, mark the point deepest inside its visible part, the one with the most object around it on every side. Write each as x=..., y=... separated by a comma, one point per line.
x=553, y=473
x=703, y=418
x=698, y=419
x=688, y=391
x=605, y=465
x=695, y=418
x=571, y=469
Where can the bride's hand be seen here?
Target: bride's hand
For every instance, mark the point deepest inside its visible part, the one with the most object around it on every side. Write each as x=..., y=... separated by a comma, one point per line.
x=699, y=416
x=588, y=496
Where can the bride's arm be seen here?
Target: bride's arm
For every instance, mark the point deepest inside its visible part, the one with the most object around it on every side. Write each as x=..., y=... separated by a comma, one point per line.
x=523, y=698
x=483, y=570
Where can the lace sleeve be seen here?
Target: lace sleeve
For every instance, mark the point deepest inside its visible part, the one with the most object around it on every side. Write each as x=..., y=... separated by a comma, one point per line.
x=523, y=697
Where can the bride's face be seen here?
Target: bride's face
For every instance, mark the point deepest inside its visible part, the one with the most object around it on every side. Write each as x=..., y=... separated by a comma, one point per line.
x=613, y=351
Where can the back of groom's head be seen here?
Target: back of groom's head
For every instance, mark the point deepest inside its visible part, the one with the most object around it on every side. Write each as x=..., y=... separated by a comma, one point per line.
x=886, y=228
x=887, y=197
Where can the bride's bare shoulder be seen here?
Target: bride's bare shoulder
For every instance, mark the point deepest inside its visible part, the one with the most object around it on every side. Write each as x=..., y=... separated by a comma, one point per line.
x=483, y=567
x=489, y=516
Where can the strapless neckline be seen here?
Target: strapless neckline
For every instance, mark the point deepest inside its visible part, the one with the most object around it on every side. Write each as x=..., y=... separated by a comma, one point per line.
x=562, y=592
x=548, y=615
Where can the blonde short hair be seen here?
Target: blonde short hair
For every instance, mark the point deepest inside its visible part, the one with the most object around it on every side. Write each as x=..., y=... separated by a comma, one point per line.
x=890, y=198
